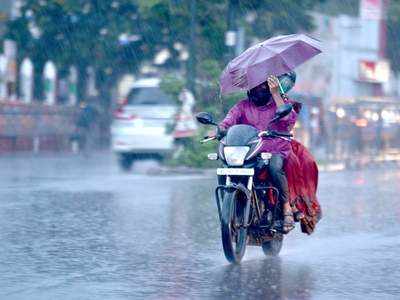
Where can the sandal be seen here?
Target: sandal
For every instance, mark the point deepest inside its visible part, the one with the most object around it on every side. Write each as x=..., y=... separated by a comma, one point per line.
x=298, y=216
x=288, y=223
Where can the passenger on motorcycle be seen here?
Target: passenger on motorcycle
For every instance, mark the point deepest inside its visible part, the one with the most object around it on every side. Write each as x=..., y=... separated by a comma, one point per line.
x=258, y=110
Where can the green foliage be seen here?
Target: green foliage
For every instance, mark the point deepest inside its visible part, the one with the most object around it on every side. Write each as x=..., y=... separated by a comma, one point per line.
x=349, y=7
x=210, y=98
x=210, y=70
x=145, y=5
x=194, y=154
x=208, y=86
x=231, y=99
x=172, y=85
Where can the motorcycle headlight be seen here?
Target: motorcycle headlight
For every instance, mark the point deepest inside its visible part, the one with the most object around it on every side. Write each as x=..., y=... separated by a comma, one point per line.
x=235, y=156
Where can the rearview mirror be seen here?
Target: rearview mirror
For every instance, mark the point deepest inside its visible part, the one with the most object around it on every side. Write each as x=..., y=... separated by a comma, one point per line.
x=205, y=118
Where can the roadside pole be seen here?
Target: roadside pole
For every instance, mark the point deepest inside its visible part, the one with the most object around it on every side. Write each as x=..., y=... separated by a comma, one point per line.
x=191, y=65
x=73, y=86
x=231, y=35
x=50, y=78
x=10, y=51
x=26, y=81
x=3, y=77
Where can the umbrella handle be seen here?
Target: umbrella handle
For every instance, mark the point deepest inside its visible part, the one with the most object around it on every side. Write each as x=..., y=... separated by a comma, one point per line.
x=280, y=87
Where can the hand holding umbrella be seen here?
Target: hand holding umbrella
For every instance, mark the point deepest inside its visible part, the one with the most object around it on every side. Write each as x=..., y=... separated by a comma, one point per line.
x=273, y=84
x=275, y=89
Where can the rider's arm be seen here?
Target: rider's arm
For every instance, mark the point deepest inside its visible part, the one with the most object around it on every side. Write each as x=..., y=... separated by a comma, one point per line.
x=273, y=84
x=285, y=124
x=233, y=117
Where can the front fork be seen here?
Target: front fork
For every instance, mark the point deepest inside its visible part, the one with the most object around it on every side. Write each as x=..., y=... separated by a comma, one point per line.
x=231, y=187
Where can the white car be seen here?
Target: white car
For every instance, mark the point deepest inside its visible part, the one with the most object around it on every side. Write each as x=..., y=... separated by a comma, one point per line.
x=140, y=127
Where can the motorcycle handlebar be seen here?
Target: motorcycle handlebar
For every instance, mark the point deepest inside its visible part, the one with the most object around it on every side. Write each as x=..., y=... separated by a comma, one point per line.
x=275, y=134
x=261, y=134
x=284, y=134
x=207, y=139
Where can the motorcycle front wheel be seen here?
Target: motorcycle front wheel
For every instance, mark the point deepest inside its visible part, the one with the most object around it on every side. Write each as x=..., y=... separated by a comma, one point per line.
x=234, y=236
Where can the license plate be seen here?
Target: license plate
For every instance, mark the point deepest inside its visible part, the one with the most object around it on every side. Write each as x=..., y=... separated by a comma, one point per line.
x=235, y=171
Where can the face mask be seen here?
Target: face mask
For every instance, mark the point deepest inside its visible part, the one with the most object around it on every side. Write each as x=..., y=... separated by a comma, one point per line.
x=259, y=96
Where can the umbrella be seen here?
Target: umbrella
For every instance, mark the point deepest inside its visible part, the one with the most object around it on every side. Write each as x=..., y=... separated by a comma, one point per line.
x=274, y=56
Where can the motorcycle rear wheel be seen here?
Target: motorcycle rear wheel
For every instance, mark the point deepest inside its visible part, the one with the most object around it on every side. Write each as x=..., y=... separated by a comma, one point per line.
x=273, y=247
x=233, y=239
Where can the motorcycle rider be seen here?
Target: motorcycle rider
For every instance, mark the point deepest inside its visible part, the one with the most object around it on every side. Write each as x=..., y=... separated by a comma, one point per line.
x=258, y=110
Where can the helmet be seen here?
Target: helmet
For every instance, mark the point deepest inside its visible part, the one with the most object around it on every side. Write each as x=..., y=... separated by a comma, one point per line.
x=287, y=81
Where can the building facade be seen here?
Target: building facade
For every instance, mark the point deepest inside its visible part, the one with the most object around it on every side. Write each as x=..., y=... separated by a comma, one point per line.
x=353, y=64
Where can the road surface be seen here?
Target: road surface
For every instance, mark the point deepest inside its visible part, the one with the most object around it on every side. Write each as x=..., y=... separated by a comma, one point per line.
x=77, y=228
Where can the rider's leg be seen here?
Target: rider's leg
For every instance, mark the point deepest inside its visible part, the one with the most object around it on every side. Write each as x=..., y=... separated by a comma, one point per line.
x=278, y=177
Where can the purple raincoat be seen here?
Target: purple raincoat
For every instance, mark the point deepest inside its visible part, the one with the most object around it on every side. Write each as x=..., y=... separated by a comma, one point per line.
x=245, y=112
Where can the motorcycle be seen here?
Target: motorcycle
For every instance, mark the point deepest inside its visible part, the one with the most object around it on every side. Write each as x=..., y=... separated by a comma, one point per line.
x=247, y=202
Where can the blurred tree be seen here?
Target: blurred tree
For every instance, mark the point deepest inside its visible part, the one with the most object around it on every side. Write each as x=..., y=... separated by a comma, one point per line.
x=268, y=18
x=119, y=35
x=168, y=22
x=102, y=34
x=173, y=85
x=261, y=19
x=348, y=7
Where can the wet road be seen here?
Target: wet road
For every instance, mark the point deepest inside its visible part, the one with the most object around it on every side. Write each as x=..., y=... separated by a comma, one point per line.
x=77, y=228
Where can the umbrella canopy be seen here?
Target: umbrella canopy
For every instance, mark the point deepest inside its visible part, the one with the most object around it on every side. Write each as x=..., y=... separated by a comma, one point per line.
x=274, y=56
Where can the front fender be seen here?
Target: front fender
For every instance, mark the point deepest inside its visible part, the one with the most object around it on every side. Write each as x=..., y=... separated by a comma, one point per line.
x=230, y=189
